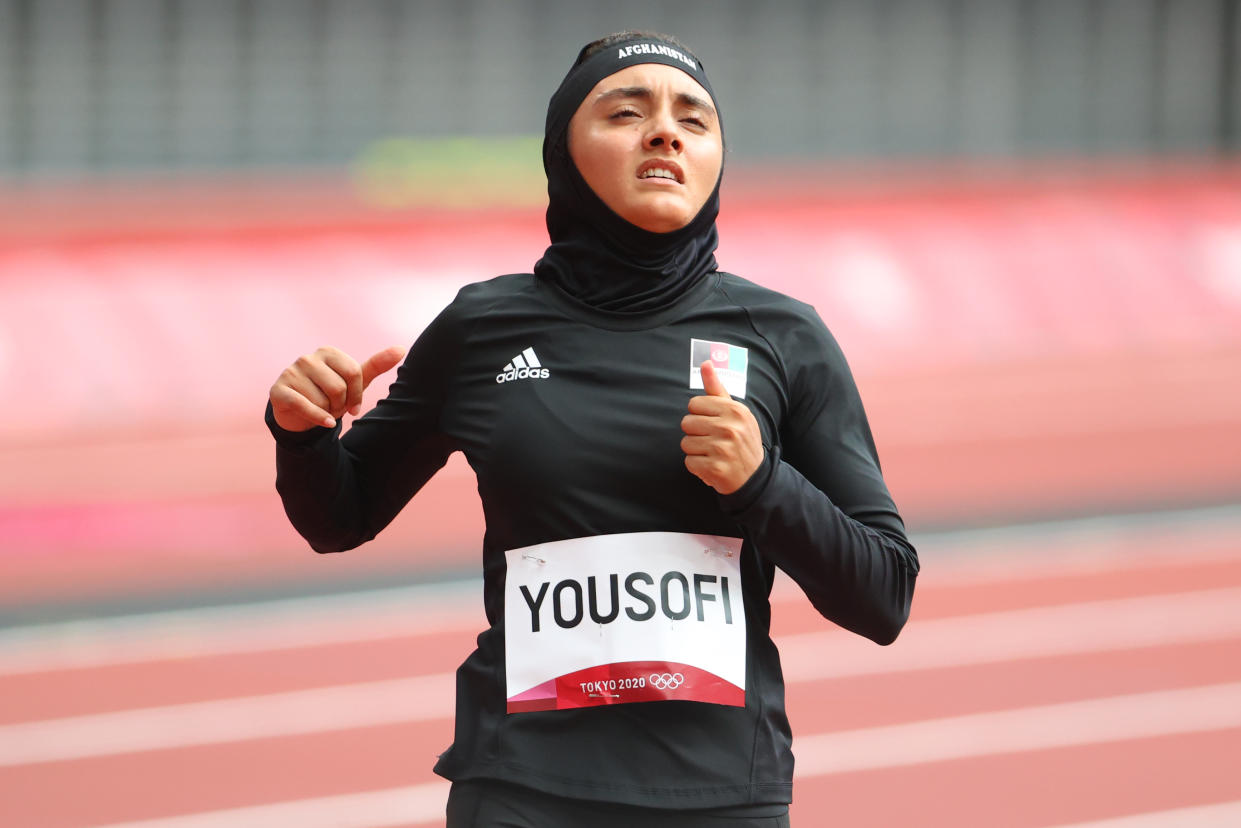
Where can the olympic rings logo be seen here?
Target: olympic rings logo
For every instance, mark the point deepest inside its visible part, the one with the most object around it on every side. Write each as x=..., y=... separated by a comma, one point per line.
x=667, y=681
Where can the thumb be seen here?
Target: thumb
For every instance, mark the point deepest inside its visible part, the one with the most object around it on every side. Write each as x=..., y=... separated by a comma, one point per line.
x=381, y=363
x=711, y=382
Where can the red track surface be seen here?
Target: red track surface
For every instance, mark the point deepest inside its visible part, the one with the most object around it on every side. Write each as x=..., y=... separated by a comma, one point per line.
x=1018, y=638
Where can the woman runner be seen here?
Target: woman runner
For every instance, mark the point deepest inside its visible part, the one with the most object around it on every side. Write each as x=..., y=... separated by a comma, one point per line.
x=652, y=439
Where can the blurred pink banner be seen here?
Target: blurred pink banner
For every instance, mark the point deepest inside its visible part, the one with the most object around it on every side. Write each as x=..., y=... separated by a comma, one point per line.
x=187, y=330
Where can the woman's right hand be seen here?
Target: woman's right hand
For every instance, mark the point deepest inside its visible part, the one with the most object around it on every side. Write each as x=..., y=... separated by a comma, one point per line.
x=320, y=387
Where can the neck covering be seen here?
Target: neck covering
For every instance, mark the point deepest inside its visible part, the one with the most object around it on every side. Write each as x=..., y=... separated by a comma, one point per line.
x=596, y=256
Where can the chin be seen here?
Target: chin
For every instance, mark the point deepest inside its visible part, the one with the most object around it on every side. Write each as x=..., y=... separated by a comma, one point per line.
x=660, y=221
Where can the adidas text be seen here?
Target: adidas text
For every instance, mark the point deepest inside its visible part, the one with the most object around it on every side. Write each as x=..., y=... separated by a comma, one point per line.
x=523, y=373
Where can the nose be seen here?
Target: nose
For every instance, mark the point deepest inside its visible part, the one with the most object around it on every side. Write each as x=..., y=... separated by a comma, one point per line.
x=662, y=133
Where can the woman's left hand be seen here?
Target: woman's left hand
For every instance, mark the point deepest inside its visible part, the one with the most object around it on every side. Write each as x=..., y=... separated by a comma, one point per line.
x=723, y=445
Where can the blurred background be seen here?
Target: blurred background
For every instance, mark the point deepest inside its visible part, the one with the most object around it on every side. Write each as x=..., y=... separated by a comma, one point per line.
x=1021, y=219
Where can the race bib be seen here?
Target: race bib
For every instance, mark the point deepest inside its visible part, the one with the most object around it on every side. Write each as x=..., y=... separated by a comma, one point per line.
x=612, y=619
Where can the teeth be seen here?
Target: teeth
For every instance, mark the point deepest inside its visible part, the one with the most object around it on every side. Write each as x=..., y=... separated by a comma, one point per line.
x=659, y=172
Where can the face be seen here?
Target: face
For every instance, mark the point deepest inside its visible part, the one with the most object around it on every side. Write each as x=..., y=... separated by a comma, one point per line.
x=647, y=140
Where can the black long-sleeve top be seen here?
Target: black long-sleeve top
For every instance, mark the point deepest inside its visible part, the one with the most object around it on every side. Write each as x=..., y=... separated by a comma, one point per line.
x=586, y=442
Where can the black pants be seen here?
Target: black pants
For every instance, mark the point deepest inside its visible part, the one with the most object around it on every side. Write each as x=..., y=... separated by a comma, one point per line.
x=488, y=804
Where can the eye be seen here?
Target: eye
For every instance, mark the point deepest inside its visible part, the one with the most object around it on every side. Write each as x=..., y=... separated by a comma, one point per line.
x=696, y=121
x=624, y=113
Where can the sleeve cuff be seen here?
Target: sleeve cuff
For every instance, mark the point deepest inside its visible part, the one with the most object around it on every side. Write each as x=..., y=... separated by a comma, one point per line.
x=296, y=439
x=752, y=489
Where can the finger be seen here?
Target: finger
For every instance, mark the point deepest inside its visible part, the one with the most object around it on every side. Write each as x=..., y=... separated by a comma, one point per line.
x=709, y=406
x=300, y=379
x=381, y=363
x=320, y=377
x=711, y=382
x=313, y=393
x=293, y=412
x=346, y=395
x=697, y=445
x=700, y=425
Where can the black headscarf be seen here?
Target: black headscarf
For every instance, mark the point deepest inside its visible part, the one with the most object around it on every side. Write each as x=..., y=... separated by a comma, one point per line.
x=596, y=256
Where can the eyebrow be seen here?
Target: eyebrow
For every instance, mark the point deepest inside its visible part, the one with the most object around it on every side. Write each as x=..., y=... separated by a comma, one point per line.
x=683, y=98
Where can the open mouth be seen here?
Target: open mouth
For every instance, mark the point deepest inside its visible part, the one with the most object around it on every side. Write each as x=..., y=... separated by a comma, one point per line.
x=665, y=170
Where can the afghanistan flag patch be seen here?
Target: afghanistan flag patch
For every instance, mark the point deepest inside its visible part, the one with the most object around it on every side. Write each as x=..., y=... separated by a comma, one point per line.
x=731, y=362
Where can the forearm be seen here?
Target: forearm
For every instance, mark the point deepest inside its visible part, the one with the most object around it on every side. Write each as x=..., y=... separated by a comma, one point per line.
x=318, y=486
x=856, y=574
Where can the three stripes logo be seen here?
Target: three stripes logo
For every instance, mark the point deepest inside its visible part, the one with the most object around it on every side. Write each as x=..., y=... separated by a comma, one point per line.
x=523, y=366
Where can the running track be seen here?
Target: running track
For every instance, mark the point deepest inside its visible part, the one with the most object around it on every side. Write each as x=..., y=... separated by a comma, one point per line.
x=1083, y=674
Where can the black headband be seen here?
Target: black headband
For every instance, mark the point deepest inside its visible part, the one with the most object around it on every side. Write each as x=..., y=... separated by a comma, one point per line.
x=608, y=61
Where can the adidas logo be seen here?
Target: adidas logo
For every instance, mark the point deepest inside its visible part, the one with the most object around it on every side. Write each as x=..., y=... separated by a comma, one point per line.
x=524, y=366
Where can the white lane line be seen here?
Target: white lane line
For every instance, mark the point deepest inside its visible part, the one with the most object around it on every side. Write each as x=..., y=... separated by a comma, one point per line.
x=1098, y=626
x=1118, y=718
x=282, y=624
x=372, y=809
x=321, y=710
x=286, y=624
x=1069, y=724
x=989, y=555
x=985, y=638
x=1081, y=546
x=1220, y=815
